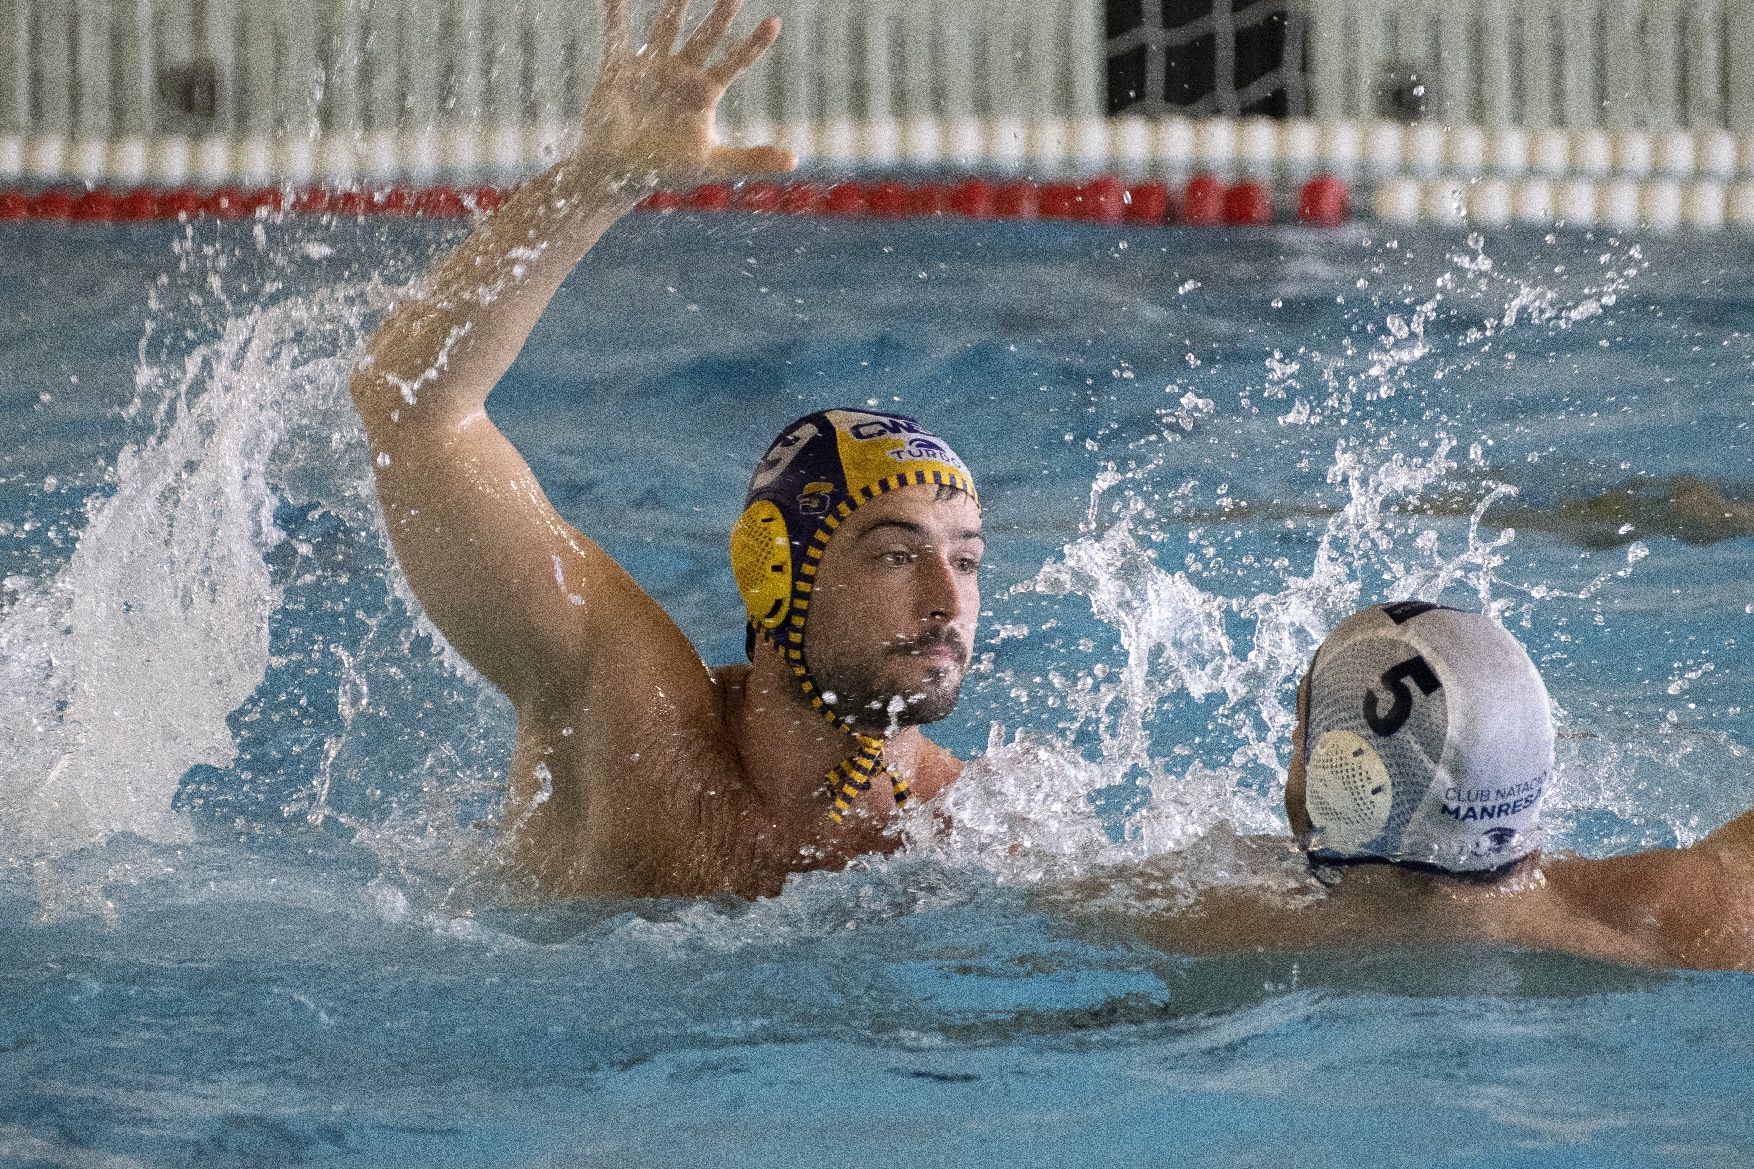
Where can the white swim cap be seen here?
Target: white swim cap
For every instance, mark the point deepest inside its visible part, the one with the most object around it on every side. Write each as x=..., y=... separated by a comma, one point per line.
x=1428, y=740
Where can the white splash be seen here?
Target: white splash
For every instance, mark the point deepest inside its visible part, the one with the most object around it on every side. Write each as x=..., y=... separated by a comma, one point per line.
x=118, y=673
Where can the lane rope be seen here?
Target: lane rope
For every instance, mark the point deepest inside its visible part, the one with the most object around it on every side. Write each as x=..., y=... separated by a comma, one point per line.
x=1204, y=201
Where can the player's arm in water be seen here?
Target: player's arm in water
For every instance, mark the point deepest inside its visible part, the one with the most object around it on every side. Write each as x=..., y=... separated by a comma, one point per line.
x=1694, y=904
x=532, y=603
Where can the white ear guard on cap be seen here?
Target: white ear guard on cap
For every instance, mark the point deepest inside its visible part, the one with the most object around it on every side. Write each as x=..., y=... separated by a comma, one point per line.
x=1428, y=740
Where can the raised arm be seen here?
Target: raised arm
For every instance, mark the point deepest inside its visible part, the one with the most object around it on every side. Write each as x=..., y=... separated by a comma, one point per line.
x=510, y=584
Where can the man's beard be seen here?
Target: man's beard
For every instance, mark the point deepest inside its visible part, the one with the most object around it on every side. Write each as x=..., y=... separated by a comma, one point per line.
x=864, y=693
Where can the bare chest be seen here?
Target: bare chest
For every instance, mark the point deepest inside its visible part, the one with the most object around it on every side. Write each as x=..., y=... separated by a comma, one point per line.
x=654, y=812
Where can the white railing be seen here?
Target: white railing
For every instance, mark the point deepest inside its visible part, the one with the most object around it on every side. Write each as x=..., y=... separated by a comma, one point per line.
x=219, y=91
x=293, y=89
x=1649, y=65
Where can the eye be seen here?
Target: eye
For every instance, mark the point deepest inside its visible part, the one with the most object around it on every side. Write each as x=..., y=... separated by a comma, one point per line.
x=968, y=564
x=896, y=557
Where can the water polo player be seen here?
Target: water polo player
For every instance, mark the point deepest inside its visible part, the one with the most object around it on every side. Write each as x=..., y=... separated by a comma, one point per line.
x=637, y=769
x=1423, y=749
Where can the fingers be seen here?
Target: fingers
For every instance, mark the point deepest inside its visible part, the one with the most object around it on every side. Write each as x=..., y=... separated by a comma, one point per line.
x=742, y=161
x=705, y=38
x=747, y=53
x=667, y=26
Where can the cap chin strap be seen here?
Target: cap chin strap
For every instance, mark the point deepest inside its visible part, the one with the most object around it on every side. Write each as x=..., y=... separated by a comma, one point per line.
x=847, y=780
x=1319, y=859
x=850, y=778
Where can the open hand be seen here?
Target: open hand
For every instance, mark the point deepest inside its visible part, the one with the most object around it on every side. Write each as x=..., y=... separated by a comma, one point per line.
x=650, y=117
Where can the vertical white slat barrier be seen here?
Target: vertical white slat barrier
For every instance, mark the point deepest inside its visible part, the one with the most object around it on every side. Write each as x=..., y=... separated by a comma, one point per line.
x=91, y=126
x=339, y=111
x=258, y=81
x=1623, y=73
x=384, y=69
x=1703, y=48
x=423, y=62
x=548, y=114
x=173, y=34
x=389, y=89
x=1538, y=75
x=953, y=55
x=51, y=66
x=132, y=56
x=922, y=99
x=1662, y=56
x=15, y=55
x=830, y=98
x=1330, y=47
x=1456, y=35
x=216, y=41
x=1081, y=81
x=503, y=111
x=1497, y=89
x=1007, y=124
x=1370, y=27
x=1579, y=100
x=1038, y=81
x=459, y=61
x=783, y=93
x=884, y=74
x=1739, y=65
x=296, y=93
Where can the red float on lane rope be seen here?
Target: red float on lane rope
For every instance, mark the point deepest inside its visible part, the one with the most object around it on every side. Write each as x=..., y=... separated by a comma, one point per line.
x=1324, y=201
x=886, y=200
x=761, y=196
x=929, y=199
x=801, y=199
x=1247, y=204
x=310, y=201
x=226, y=203
x=1148, y=203
x=1016, y=201
x=1057, y=200
x=973, y=198
x=138, y=205
x=53, y=203
x=180, y=203
x=1203, y=202
x=709, y=197
x=1102, y=200
x=97, y=206
x=844, y=199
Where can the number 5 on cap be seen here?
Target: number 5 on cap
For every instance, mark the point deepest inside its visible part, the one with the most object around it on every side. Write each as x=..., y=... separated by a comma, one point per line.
x=1394, y=680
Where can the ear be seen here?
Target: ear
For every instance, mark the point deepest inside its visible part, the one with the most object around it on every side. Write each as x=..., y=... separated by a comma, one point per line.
x=1296, y=811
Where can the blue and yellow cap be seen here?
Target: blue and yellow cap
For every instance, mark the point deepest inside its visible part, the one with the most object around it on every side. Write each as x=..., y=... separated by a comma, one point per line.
x=815, y=475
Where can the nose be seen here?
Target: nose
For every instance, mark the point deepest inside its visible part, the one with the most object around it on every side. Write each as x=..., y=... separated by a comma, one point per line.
x=938, y=592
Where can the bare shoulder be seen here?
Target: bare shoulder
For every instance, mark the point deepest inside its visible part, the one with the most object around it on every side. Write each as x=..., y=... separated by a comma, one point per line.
x=625, y=780
x=935, y=769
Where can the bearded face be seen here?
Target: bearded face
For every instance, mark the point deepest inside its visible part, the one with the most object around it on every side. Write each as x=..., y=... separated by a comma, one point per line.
x=909, y=682
x=892, y=615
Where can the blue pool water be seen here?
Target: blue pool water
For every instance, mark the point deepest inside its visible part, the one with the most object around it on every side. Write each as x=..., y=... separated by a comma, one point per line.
x=249, y=902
